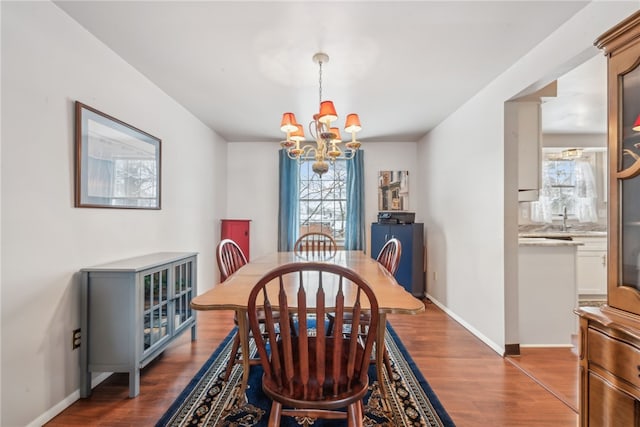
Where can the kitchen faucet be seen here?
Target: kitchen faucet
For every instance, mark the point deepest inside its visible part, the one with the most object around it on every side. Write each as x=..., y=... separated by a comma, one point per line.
x=564, y=218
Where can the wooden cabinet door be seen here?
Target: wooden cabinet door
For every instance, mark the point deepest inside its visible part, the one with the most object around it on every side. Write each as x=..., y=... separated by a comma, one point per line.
x=238, y=231
x=622, y=45
x=609, y=406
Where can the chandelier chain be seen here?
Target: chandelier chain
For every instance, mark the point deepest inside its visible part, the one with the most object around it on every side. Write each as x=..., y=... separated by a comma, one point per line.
x=320, y=82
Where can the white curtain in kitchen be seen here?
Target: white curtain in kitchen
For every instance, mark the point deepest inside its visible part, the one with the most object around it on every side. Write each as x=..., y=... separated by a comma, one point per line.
x=586, y=196
x=541, y=209
x=584, y=199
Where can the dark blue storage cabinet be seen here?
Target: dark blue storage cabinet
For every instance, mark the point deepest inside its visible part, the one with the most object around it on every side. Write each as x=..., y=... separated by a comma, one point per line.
x=410, y=273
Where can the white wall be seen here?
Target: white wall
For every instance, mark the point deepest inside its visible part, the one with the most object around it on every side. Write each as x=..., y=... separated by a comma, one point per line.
x=48, y=62
x=253, y=191
x=253, y=185
x=389, y=156
x=464, y=171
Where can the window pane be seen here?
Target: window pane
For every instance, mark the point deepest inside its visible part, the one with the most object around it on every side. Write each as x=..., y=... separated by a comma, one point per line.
x=561, y=172
x=323, y=200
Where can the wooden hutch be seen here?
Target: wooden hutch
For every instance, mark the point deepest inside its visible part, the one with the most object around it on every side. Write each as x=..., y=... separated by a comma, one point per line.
x=610, y=335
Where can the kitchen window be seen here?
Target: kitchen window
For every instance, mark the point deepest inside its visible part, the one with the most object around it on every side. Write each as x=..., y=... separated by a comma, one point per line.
x=559, y=182
x=568, y=183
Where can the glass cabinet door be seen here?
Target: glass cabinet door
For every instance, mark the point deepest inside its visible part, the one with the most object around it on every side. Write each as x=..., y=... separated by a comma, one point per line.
x=156, y=307
x=183, y=293
x=624, y=181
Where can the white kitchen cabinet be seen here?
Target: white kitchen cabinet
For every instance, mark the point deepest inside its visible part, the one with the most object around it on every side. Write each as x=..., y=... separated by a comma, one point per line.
x=592, y=266
x=546, y=292
x=529, y=150
x=522, y=122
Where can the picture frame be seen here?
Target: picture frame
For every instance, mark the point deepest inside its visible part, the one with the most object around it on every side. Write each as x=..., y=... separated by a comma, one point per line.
x=117, y=165
x=393, y=190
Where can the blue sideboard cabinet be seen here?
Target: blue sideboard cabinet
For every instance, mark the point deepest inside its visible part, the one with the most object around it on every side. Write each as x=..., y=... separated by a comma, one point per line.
x=131, y=310
x=410, y=273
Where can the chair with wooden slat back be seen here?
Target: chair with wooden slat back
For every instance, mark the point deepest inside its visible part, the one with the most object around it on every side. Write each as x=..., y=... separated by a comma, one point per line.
x=390, y=254
x=309, y=373
x=230, y=258
x=315, y=246
x=389, y=258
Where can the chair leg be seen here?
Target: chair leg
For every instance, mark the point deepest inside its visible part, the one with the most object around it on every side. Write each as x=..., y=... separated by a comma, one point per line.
x=387, y=363
x=232, y=357
x=354, y=414
x=276, y=412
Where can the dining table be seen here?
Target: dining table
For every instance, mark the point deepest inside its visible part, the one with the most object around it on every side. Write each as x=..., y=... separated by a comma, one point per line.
x=233, y=294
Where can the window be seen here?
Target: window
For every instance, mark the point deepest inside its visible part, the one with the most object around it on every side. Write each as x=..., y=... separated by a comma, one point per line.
x=569, y=182
x=323, y=200
x=559, y=181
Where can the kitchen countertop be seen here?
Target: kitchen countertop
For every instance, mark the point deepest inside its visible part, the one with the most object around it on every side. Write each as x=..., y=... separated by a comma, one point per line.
x=568, y=233
x=542, y=241
x=573, y=230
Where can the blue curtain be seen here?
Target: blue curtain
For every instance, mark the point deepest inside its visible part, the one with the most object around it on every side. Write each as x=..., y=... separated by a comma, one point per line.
x=354, y=233
x=288, y=203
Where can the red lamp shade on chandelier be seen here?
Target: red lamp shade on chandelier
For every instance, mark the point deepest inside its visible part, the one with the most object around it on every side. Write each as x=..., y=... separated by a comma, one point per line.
x=636, y=124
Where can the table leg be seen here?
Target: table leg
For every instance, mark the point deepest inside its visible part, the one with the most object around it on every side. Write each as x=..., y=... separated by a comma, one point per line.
x=382, y=327
x=243, y=330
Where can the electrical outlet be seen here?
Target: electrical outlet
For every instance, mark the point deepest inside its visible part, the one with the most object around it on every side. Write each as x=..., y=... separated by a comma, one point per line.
x=435, y=276
x=75, y=339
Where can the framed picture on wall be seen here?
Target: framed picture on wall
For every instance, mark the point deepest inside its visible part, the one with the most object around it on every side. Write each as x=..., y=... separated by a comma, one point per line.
x=117, y=165
x=393, y=190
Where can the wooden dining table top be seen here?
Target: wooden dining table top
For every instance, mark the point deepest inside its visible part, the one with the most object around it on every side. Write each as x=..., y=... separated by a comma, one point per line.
x=233, y=293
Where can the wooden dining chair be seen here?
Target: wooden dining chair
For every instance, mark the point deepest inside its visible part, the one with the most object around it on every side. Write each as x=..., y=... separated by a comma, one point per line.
x=309, y=373
x=389, y=258
x=390, y=254
x=230, y=258
x=315, y=246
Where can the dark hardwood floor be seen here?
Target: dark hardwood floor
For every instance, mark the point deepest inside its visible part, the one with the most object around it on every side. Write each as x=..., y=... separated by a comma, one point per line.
x=475, y=385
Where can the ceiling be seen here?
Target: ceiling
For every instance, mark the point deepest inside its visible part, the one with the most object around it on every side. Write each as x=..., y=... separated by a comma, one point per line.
x=581, y=104
x=402, y=66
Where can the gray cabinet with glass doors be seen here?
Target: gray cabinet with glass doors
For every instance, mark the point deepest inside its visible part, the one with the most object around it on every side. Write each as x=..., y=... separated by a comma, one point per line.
x=131, y=310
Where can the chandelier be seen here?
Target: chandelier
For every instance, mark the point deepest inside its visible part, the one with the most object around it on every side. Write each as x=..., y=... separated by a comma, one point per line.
x=327, y=138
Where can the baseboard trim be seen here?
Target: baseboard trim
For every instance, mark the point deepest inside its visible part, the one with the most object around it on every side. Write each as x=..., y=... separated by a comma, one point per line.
x=65, y=403
x=495, y=347
x=546, y=345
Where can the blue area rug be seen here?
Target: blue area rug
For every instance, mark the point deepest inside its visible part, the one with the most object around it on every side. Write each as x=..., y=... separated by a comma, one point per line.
x=209, y=401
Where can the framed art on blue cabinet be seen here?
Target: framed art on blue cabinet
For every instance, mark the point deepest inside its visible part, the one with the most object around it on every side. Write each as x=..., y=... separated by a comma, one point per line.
x=117, y=165
x=393, y=191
